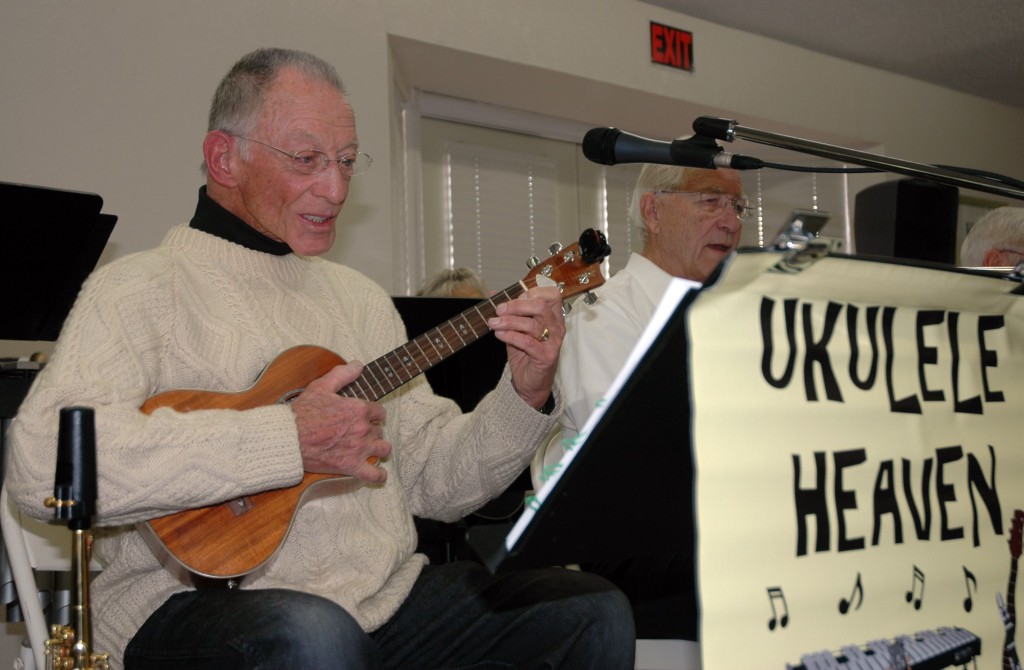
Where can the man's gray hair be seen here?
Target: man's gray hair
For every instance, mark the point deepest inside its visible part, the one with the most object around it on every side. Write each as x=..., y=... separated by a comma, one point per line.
x=239, y=98
x=654, y=178
x=1001, y=228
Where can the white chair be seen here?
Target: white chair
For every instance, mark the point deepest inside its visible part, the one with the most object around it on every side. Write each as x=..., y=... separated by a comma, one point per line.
x=667, y=655
x=33, y=545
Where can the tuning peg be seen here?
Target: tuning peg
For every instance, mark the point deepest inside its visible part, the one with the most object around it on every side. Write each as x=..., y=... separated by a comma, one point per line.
x=532, y=262
x=554, y=248
x=594, y=245
x=566, y=308
x=589, y=297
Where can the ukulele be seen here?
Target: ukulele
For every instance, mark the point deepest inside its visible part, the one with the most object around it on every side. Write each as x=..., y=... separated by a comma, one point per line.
x=1010, y=660
x=235, y=538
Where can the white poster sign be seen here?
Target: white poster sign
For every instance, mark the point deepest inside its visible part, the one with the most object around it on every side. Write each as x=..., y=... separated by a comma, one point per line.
x=856, y=430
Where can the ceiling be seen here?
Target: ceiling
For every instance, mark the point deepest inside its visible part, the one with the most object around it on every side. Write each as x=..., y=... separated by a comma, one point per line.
x=973, y=46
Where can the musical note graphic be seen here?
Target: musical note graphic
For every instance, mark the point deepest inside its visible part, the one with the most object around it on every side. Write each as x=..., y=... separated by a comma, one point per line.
x=969, y=578
x=918, y=578
x=775, y=593
x=858, y=590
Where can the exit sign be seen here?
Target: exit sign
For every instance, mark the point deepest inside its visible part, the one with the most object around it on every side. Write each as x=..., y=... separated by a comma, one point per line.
x=671, y=46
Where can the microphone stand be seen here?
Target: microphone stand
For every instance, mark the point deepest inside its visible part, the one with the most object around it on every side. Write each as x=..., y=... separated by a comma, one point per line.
x=726, y=130
x=74, y=500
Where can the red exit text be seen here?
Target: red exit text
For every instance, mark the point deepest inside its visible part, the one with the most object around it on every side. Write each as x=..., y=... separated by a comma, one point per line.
x=671, y=46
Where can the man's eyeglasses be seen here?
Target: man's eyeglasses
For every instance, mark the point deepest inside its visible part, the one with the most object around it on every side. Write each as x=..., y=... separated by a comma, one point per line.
x=713, y=203
x=311, y=161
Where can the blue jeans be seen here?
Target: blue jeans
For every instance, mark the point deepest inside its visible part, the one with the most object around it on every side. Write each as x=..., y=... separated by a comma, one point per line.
x=458, y=615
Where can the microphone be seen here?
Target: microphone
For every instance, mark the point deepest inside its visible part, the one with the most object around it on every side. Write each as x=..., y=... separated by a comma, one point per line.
x=610, y=146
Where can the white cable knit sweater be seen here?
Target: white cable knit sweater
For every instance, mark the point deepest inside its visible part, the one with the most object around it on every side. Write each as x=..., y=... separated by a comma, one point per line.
x=201, y=312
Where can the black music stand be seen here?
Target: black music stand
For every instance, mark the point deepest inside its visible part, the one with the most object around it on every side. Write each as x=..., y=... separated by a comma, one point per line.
x=465, y=377
x=468, y=375
x=54, y=239
x=628, y=492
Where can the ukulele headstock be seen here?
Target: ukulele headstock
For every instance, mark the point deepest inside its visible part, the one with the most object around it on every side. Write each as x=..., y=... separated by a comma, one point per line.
x=1015, y=533
x=574, y=269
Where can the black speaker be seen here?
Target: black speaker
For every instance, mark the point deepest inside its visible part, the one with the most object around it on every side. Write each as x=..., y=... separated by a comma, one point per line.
x=907, y=218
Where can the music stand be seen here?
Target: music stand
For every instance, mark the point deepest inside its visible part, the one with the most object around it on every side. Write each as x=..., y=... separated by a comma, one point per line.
x=55, y=238
x=628, y=491
x=468, y=375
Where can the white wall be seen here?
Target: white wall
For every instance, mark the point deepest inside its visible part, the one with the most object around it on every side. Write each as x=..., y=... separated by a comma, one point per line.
x=110, y=96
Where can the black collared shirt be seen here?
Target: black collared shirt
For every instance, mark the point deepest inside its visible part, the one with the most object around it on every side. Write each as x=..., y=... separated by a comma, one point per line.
x=211, y=218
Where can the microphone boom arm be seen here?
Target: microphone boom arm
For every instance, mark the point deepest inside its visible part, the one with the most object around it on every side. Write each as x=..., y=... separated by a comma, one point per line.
x=726, y=130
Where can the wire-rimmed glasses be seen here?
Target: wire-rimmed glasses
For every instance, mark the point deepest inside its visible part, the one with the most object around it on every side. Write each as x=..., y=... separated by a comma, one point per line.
x=311, y=161
x=715, y=202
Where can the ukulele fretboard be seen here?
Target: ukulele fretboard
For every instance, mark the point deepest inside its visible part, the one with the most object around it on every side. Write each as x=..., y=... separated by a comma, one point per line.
x=385, y=374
